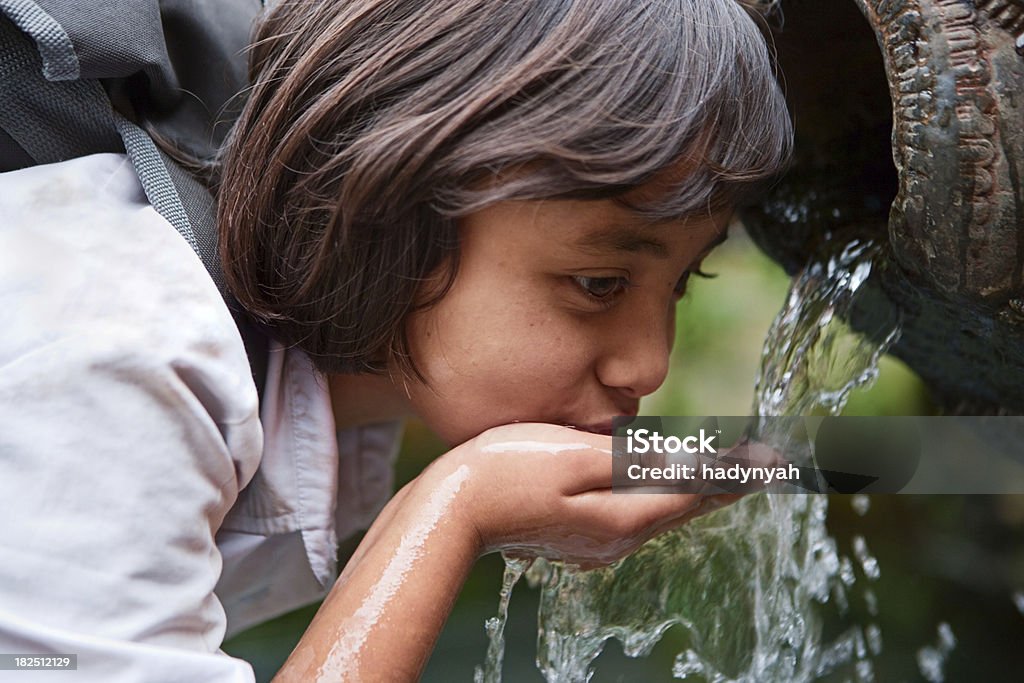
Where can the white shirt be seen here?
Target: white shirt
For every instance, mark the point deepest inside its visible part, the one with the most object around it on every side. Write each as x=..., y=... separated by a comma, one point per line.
x=146, y=509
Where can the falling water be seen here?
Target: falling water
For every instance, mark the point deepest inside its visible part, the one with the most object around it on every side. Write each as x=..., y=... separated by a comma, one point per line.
x=930, y=660
x=747, y=583
x=495, y=626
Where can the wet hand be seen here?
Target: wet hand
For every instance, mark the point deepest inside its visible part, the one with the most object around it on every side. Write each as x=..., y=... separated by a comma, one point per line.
x=545, y=490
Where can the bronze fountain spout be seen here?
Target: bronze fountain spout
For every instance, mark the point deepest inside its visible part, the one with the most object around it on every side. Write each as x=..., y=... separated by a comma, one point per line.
x=910, y=130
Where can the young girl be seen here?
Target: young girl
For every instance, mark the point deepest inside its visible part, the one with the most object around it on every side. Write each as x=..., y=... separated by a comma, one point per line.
x=478, y=212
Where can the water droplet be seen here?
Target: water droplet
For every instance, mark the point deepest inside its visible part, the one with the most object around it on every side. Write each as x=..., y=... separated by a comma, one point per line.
x=871, y=600
x=946, y=639
x=687, y=664
x=867, y=562
x=846, y=571
x=1018, y=600
x=865, y=671
x=932, y=660
x=861, y=504
x=874, y=637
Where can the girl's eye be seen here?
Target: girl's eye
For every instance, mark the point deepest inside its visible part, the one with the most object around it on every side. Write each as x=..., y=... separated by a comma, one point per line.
x=601, y=288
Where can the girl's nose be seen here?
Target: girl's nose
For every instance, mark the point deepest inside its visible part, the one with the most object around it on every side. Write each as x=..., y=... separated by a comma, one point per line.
x=636, y=356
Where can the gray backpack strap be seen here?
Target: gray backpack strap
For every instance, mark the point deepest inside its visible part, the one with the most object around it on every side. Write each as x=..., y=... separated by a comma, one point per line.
x=48, y=115
x=78, y=116
x=201, y=210
x=76, y=122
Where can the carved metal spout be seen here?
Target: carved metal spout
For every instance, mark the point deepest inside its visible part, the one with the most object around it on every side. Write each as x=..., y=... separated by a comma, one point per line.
x=948, y=82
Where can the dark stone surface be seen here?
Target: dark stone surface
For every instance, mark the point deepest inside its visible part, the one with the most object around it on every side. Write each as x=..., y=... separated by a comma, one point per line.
x=910, y=129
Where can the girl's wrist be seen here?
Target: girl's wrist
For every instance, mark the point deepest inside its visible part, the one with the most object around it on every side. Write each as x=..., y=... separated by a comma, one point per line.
x=445, y=492
x=397, y=590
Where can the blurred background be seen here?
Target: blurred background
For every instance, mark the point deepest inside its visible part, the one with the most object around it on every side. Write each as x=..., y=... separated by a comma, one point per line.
x=948, y=564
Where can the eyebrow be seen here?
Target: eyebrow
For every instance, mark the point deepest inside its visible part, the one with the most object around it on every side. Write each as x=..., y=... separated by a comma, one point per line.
x=621, y=238
x=634, y=241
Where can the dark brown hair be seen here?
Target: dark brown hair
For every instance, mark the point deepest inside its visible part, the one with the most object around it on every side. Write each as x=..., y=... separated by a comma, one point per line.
x=372, y=125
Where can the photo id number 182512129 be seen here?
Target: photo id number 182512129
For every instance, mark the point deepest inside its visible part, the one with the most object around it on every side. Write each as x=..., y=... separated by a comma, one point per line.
x=35, y=662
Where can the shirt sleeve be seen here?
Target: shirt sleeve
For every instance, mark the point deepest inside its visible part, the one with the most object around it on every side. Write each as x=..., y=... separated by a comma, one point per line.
x=128, y=425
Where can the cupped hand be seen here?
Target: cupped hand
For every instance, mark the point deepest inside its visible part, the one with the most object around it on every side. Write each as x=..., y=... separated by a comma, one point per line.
x=545, y=490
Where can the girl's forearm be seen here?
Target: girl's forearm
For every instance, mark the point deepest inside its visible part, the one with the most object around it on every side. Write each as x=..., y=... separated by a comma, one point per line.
x=381, y=619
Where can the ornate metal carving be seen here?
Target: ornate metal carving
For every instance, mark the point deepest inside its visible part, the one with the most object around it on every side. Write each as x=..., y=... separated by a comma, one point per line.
x=954, y=71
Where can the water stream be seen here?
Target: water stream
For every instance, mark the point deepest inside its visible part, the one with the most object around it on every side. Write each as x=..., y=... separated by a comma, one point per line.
x=748, y=584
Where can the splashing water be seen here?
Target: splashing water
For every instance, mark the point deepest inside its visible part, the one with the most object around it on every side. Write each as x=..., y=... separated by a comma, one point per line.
x=745, y=583
x=930, y=660
x=495, y=626
x=811, y=359
x=867, y=563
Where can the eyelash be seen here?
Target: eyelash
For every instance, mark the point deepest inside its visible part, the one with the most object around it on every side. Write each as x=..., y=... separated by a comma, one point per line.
x=680, y=289
x=604, y=300
x=621, y=284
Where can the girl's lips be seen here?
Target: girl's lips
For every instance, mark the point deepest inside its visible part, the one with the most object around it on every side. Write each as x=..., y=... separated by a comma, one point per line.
x=603, y=426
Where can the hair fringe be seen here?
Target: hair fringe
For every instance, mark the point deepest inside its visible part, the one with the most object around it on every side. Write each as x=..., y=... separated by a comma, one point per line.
x=372, y=126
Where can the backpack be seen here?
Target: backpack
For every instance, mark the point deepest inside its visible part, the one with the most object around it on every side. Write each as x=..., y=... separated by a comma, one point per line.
x=63, y=63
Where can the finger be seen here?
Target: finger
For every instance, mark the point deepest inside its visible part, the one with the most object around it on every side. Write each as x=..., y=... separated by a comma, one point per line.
x=746, y=468
x=629, y=515
x=707, y=505
x=612, y=472
x=602, y=470
x=580, y=460
x=587, y=469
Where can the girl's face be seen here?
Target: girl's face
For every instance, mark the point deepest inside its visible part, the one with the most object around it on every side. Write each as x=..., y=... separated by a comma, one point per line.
x=561, y=312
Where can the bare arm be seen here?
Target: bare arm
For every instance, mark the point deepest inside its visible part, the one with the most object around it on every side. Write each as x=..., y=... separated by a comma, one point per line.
x=384, y=614
x=501, y=490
